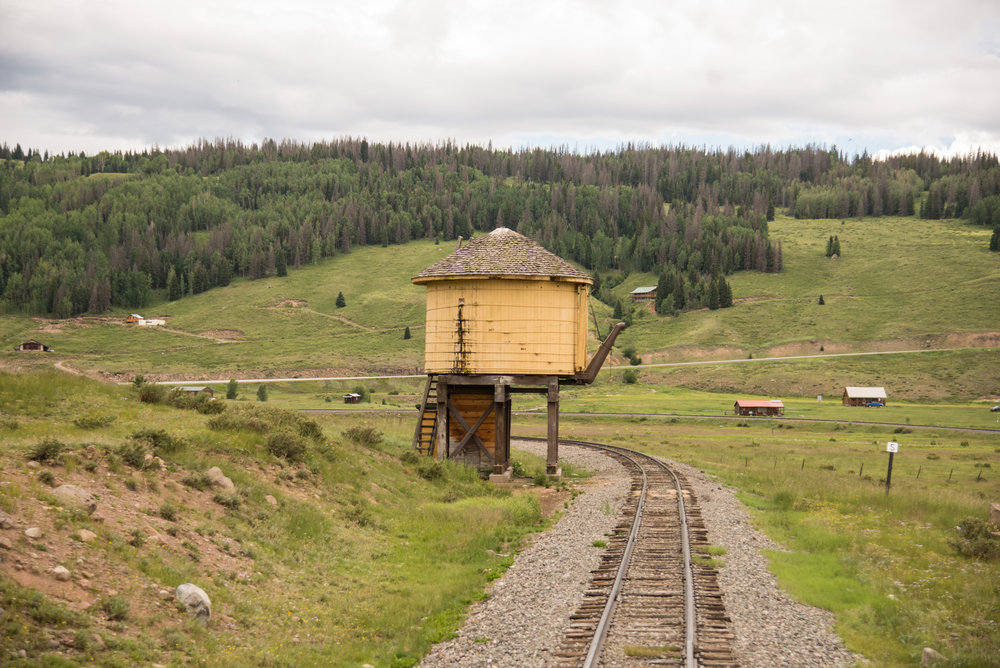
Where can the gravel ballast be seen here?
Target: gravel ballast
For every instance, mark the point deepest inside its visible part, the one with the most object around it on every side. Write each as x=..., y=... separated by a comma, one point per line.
x=527, y=612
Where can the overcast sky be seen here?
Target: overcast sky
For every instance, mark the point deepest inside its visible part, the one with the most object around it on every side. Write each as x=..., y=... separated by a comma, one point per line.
x=587, y=74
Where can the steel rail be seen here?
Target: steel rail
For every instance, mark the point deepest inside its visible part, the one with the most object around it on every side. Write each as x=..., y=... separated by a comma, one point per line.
x=690, y=616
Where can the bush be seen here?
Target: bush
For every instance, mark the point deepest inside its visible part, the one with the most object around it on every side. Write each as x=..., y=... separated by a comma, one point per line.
x=46, y=451
x=976, y=539
x=159, y=440
x=230, y=421
x=230, y=501
x=367, y=436
x=93, y=421
x=287, y=446
x=115, y=607
x=630, y=377
x=152, y=394
x=133, y=454
x=199, y=481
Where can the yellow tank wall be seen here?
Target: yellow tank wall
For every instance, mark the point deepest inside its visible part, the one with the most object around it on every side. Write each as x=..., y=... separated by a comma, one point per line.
x=508, y=326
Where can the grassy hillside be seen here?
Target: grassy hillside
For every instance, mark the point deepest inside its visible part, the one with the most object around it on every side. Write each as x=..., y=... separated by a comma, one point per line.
x=903, y=281
x=284, y=556
x=900, y=284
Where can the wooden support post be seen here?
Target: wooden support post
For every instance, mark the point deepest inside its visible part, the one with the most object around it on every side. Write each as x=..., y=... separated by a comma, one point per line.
x=552, y=453
x=441, y=450
x=501, y=445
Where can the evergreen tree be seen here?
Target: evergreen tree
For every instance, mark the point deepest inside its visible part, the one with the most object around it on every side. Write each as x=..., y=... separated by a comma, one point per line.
x=821, y=302
x=406, y=333
x=280, y=263
x=341, y=302
x=232, y=389
x=173, y=285
x=725, y=294
x=713, y=295
x=836, y=246
x=679, y=300
x=995, y=239
x=829, y=246
x=770, y=212
x=262, y=392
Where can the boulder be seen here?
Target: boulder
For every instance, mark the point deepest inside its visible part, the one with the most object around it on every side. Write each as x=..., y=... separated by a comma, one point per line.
x=33, y=532
x=75, y=497
x=60, y=573
x=86, y=535
x=271, y=500
x=196, y=601
x=6, y=521
x=931, y=657
x=217, y=477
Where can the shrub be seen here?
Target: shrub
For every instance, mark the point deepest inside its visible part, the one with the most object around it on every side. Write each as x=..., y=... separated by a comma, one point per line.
x=168, y=511
x=159, y=440
x=230, y=421
x=976, y=539
x=630, y=377
x=152, y=394
x=230, y=501
x=199, y=481
x=45, y=451
x=784, y=500
x=115, y=607
x=93, y=421
x=48, y=478
x=364, y=435
x=132, y=453
x=287, y=446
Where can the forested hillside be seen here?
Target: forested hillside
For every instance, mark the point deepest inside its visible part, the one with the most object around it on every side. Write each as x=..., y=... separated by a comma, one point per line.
x=87, y=233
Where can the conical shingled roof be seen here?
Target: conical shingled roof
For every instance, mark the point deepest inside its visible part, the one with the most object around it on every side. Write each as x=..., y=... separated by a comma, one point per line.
x=502, y=252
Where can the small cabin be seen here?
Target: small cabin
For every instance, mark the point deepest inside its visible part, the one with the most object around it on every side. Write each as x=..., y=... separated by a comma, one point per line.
x=352, y=398
x=751, y=407
x=32, y=345
x=644, y=293
x=133, y=319
x=197, y=389
x=862, y=396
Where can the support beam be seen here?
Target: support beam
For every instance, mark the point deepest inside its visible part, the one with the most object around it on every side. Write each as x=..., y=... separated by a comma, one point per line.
x=501, y=441
x=552, y=451
x=441, y=451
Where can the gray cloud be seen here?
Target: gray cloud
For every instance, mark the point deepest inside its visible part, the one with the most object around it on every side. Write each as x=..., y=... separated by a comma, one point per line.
x=113, y=74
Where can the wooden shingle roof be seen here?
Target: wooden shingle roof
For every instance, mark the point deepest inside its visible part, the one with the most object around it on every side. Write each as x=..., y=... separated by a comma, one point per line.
x=502, y=252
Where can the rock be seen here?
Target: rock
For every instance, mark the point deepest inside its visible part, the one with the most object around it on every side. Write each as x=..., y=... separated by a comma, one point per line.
x=6, y=521
x=995, y=513
x=930, y=657
x=61, y=573
x=33, y=464
x=196, y=601
x=217, y=477
x=77, y=497
x=86, y=535
x=97, y=517
x=33, y=532
x=6, y=544
x=270, y=499
x=84, y=584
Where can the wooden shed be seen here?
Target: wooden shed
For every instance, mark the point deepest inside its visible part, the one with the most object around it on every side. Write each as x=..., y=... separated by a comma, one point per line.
x=32, y=345
x=753, y=407
x=133, y=319
x=502, y=312
x=862, y=396
x=197, y=389
x=644, y=293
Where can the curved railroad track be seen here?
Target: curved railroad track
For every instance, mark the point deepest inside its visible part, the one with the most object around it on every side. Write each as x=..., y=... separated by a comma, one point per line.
x=654, y=599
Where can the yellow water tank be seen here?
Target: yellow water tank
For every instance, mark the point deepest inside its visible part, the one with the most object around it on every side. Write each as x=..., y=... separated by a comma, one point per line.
x=502, y=304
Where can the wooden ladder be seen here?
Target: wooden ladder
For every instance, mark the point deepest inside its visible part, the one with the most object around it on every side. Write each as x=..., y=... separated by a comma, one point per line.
x=425, y=435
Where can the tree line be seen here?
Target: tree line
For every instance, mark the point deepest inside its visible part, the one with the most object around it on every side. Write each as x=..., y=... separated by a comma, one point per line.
x=83, y=233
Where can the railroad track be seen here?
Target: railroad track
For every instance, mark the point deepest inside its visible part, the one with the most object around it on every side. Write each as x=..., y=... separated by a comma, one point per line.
x=654, y=599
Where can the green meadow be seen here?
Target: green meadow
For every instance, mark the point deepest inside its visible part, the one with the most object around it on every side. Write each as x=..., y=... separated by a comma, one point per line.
x=920, y=296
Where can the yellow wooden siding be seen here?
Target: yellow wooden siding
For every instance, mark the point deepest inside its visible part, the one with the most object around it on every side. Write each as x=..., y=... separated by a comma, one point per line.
x=508, y=327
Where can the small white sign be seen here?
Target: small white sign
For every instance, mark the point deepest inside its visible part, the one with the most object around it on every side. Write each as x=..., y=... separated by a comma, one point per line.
x=892, y=446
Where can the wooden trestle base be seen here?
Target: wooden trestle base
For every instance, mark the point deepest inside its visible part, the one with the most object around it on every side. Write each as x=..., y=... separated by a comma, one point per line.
x=473, y=419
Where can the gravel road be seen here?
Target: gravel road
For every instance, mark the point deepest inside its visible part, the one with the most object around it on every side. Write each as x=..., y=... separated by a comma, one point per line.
x=528, y=609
